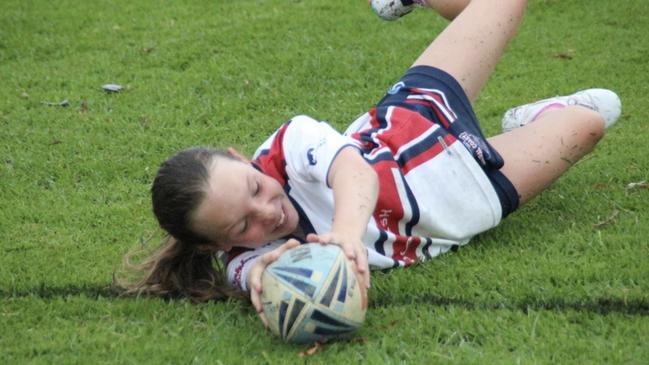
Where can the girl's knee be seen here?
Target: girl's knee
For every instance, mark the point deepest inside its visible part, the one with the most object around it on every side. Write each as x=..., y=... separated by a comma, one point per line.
x=449, y=9
x=588, y=122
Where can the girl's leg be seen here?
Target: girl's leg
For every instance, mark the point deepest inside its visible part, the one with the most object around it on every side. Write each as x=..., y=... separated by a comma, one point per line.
x=472, y=44
x=538, y=153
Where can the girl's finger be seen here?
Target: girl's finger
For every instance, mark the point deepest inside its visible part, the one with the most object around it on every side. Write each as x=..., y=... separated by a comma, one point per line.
x=361, y=260
x=292, y=243
x=256, y=301
x=255, y=278
x=255, y=298
x=351, y=253
x=262, y=316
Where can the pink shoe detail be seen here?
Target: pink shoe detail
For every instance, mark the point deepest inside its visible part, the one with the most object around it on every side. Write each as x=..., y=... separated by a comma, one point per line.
x=546, y=108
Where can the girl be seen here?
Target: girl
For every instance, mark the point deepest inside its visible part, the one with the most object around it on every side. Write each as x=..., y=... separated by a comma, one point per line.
x=407, y=181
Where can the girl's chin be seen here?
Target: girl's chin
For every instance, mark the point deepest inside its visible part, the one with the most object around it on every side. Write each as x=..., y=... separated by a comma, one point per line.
x=294, y=220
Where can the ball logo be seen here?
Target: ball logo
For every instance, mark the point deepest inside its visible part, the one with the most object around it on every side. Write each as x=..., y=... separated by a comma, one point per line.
x=299, y=254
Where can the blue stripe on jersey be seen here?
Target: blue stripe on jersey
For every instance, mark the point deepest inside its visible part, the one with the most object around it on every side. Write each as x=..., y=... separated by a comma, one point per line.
x=382, y=156
x=304, y=222
x=378, y=244
x=369, y=135
x=424, y=249
x=336, y=156
x=381, y=115
x=414, y=207
x=420, y=147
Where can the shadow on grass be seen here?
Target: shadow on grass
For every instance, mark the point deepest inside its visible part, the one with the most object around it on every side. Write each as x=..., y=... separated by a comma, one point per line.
x=601, y=306
x=48, y=292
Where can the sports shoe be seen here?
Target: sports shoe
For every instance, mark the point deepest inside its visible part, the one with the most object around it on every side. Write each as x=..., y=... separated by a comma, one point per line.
x=394, y=9
x=603, y=101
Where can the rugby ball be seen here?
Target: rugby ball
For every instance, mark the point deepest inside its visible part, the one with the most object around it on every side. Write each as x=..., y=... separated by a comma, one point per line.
x=310, y=294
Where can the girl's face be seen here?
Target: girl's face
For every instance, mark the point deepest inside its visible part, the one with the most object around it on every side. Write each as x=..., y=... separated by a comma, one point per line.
x=243, y=207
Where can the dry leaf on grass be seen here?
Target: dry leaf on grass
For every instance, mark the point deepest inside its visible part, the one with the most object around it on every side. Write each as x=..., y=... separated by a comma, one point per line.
x=112, y=88
x=311, y=350
x=563, y=56
x=638, y=185
x=608, y=220
x=63, y=103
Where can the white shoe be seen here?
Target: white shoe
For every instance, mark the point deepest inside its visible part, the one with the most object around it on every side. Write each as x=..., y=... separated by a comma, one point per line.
x=393, y=9
x=603, y=101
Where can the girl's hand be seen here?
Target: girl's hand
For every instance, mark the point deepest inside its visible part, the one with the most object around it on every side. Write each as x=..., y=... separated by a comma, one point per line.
x=254, y=277
x=353, y=248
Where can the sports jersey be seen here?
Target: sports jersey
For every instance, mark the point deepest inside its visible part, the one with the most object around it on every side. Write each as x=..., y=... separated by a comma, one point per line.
x=432, y=161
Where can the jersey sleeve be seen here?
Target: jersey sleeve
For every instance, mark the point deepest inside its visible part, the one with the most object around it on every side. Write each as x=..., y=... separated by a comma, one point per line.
x=303, y=148
x=239, y=262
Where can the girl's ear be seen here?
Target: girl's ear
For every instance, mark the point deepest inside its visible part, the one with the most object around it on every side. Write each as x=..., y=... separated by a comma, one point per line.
x=234, y=153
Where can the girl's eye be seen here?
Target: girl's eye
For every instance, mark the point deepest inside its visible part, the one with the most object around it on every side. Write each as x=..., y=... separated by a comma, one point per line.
x=257, y=188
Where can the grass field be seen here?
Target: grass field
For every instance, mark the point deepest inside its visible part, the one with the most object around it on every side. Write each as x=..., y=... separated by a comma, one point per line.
x=565, y=280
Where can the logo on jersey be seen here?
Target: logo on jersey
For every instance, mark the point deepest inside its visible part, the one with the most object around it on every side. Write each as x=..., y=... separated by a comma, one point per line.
x=409, y=242
x=310, y=153
x=396, y=87
x=311, y=157
x=384, y=217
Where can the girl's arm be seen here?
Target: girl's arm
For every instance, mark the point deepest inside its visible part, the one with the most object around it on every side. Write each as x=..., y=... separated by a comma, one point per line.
x=355, y=187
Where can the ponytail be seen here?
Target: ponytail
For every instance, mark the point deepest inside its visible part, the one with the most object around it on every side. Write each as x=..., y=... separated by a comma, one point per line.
x=176, y=270
x=179, y=268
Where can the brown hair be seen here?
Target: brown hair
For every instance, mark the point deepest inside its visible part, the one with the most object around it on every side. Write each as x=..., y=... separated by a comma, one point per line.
x=179, y=267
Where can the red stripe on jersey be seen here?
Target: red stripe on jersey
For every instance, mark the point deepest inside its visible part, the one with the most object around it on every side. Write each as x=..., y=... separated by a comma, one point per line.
x=272, y=161
x=374, y=123
x=389, y=208
x=423, y=102
x=429, y=104
x=441, y=104
x=427, y=154
x=442, y=117
x=437, y=95
x=372, y=113
x=410, y=126
x=405, y=249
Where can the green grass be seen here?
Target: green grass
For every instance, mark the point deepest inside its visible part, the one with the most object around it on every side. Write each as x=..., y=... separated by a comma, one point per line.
x=549, y=285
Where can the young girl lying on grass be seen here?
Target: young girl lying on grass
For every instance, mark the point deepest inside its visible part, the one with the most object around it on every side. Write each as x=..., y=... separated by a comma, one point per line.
x=407, y=181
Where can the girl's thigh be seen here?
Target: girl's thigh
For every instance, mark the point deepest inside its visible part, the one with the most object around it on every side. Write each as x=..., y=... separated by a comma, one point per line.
x=539, y=153
x=472, y=44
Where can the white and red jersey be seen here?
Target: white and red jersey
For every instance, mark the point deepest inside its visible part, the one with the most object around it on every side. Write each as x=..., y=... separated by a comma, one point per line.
x=433, y=192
